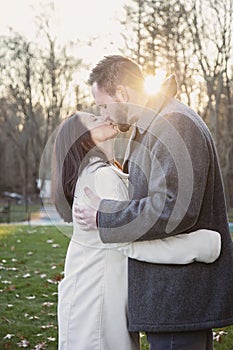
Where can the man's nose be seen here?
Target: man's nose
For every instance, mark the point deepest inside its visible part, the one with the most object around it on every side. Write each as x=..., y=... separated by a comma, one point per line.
x=103, y=110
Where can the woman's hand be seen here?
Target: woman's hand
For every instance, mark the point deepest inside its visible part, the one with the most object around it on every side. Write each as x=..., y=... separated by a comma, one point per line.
x=85, y=213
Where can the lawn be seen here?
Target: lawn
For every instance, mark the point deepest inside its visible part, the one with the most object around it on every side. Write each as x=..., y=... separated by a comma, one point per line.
x=31, y=264
x=18, y=212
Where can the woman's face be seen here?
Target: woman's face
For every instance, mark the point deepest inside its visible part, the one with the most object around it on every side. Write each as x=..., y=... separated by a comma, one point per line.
x=100, y=129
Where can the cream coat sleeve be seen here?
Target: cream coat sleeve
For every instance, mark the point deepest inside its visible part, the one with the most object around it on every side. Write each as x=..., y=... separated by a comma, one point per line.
x=201, y=245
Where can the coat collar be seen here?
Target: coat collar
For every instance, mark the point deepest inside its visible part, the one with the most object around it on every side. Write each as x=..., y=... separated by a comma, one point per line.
x=156, y=103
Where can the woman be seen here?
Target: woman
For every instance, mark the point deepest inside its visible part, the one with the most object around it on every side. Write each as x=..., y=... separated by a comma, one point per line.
x=92, y=307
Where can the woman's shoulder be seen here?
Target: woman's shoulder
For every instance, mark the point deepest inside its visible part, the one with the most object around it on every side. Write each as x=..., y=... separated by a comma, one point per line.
x=100, y=167
x=98, y=171
x=94, y=164
x=106, y=180
x=112, y=171
x=110, y=183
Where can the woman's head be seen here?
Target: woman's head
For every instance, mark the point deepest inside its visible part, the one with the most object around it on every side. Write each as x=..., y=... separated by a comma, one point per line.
x=76, y=141
x=100, y=129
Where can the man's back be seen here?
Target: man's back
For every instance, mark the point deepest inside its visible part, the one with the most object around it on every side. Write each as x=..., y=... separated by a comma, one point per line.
x=197, y=296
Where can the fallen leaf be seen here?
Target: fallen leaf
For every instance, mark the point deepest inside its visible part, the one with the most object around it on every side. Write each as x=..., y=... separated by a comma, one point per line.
x=51, y=281
x=34, y=318
x=47, y=326
x=24, y=343
x=218, y=335
x=56, y=245
x=58, y=277
x=8, y=336
x=31, y=297
x=47, y=304
x=51, y=339
x=41, y=346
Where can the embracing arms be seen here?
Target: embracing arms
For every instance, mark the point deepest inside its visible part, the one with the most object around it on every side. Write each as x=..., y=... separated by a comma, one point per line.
x=201, y=245
x=168, y=175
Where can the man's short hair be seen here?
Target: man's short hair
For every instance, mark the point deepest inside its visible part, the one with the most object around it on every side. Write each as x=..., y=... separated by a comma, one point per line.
x=114, y=70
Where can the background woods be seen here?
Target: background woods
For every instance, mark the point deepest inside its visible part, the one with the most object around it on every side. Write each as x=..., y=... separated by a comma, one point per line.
x=35, y=83
x=191, y=38
x=194, y=39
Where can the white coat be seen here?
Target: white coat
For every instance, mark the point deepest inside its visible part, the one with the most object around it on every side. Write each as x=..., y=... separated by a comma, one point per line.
x=92, y=305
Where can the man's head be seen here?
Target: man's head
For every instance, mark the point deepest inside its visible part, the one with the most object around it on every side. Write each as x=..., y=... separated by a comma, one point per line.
x=117, y=79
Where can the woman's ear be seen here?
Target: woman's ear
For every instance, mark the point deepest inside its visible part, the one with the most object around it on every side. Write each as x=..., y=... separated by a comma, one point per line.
x=122, y=93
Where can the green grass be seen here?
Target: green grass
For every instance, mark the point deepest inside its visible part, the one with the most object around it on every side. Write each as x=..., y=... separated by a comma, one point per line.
x=18, y=212
x=31, y=265
x=32, y=262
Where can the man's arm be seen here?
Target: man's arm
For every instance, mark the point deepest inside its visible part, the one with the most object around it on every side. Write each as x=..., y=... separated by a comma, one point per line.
x=201, y=245
x=177, y=181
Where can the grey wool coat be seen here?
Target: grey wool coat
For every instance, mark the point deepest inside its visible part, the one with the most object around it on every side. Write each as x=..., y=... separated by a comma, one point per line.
x=175, y=187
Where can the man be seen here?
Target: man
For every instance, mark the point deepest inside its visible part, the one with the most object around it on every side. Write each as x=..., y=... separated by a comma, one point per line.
x=175, y=187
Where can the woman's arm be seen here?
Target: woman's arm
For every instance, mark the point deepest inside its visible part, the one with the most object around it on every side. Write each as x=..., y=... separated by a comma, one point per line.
x=201, y=245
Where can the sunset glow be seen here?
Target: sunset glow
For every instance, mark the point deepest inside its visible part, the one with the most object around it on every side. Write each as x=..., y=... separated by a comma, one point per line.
x=154, y=82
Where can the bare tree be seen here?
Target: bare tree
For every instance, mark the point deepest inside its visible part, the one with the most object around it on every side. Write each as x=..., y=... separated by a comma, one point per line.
x=211, y=29
x=133, y=35
x=192, y=38
x=36, y=83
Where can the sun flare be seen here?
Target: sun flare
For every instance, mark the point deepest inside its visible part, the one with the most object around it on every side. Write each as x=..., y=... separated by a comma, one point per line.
x=154, y=82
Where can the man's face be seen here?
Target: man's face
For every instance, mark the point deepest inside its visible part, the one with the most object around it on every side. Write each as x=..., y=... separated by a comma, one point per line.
x=111, y=108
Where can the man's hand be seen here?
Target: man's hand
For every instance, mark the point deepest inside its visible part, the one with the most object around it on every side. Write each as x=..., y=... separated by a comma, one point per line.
x=85, y=214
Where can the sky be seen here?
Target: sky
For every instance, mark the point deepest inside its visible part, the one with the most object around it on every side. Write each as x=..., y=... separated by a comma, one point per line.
x=94, y=25
x=75, y=19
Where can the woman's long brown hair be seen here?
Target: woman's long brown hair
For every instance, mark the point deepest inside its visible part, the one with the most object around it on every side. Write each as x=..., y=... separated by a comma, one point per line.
x=72, y=151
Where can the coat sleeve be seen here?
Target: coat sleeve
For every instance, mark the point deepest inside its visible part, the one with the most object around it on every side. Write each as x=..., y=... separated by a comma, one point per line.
x=176, y=174
x=202, y=245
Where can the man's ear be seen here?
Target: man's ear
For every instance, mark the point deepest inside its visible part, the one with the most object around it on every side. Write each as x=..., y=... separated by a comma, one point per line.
x=122, y=93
